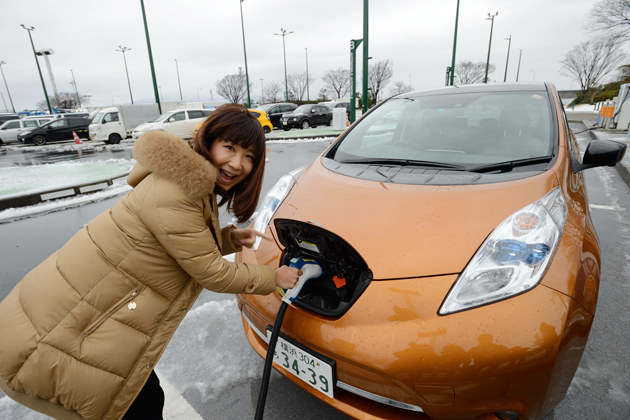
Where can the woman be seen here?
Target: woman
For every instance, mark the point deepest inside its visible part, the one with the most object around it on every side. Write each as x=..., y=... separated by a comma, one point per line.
x=81, y=333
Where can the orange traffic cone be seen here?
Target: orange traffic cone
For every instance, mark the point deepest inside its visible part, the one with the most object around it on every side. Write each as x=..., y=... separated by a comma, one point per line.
x=77, y=140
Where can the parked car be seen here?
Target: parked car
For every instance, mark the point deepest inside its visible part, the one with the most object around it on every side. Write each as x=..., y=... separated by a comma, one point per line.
x=262, y=118
x=6, y=117
x=337, y=104
x=275, y=112
x=306, y=116
x=180, y=122
x=59, y=129
x=10, y=129
x=113, y=124
x=461, y=265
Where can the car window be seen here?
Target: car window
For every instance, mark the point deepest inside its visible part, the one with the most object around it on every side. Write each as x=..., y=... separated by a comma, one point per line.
x=206, y=113
x=286, y=108
x=12, y=125
x=194, y=114
x=255, y=114
x=62, y=122
x=30, y=123
x=78, y=121
x=111, y=117
x=179, y=116
x=274, y=110
x=475, y=128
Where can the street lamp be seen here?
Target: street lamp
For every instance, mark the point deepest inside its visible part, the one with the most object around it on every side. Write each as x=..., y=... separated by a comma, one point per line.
x=211, y=97
x=5, y=85
x=534, y=79
x=115, y=96
x=74, y=82
x=519, y=63
x=452, y=74
x=308, y=98
x=38, y=68
x=5, y=104
x=262, y=92
x=161, y=96
x=490, y=17
x=45, y=53
x=508, y=57
x=286, y=84
x=180, y=85
x=146, y=30
x=198, y=94
x=249, y=104
x=122, y=50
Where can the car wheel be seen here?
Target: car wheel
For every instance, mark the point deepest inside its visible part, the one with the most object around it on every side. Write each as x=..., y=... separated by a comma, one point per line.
x=305, y=124
x=286, y=128
x=330, y=122
x=267, y=130
x=114, y=138
x=39, y=140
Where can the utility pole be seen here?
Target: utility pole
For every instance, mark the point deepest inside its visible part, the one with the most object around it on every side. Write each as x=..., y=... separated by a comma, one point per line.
x=123, y=50
x=262, y=92
x=178, y=82
x=508, y=57
x=286, y=84
x=249, y=102
x=519, y=63
x=365, y=56
x=308, y=98
x=452, y=71
x=38, y=68
x=490, y=17
x=146, y=30
x=75, y=88
x=5, y=85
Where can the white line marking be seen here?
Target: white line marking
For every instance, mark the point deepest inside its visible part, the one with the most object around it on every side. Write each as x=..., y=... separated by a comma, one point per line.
x=597, y=206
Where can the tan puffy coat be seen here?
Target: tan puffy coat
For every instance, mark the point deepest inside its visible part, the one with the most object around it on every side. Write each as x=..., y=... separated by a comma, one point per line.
x=69, y=341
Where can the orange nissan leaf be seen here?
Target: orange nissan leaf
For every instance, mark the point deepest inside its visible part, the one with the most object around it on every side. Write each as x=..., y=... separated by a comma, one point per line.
x=461, y=265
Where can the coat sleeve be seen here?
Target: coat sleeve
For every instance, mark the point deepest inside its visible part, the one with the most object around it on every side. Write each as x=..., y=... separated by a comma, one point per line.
x=177, y=222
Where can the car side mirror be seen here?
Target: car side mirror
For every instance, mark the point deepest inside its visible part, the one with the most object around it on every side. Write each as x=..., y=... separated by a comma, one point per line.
x=600, y=153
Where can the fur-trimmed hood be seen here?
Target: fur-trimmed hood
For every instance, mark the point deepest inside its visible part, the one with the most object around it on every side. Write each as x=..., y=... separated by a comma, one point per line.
x=170, y=157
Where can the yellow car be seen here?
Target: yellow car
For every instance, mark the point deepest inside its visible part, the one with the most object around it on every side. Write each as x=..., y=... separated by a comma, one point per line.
x=262, y=118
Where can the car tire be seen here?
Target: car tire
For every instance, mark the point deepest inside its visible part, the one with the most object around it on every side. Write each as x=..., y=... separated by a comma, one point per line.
x=267, y=130
x=114, y=138
x=286, y=128
x=305, y=125
x=330, y=122
x=39, y=140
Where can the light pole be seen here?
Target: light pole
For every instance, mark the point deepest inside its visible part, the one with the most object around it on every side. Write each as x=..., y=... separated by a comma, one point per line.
x=5, y=104
x=534, y=79
x=45, y=53
x=286, y=84
x=262, y=92
x=161, y=96
x=452, y=75
x=308, y=98
x=180, y=85
x=122, y=50
x=115, y=96
x=38, y=68
x=249, y=103
x=74, y=82
x=508, y=57
x=5, y=85
x=519, y=63
x=211, y=98
x=490, y=17
x=198, y=100
x=146, y=30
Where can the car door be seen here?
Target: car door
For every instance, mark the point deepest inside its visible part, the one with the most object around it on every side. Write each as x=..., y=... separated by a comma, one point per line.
x=59, y=130
x=81, y=127
x=111, y=124
x=194, y=119
x=176, y=124
x=274, y=116
x=10, y=130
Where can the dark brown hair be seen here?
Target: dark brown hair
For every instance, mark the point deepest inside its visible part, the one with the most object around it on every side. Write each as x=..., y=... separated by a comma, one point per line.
x=234, y=123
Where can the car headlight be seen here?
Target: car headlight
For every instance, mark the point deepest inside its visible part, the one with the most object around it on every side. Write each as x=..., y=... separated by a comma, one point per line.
x=25, y=133
x=274, y=197
x=514, y=258
x=96, y=129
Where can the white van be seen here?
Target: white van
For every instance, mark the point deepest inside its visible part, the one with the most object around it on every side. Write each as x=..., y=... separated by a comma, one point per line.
x=113, y=124
x=9, y=130
x=180, y=122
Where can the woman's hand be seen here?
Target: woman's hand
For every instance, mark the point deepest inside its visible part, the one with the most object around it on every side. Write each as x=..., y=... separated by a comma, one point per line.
x=287, y=277
x=246, y=237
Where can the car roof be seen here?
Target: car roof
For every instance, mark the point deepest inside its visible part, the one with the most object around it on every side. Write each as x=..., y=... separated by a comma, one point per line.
x=479, y=87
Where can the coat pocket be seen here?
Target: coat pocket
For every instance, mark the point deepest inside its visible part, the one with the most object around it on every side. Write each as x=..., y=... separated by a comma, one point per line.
x=127, y=300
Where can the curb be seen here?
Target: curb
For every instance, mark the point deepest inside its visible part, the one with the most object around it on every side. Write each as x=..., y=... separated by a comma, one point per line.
x=70, y=191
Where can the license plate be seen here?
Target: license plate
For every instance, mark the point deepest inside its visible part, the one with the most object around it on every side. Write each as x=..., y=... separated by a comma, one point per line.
x=284, y=122
x=312, y=368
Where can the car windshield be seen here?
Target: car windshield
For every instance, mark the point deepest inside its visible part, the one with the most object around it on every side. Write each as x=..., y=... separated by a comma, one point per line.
x=97, y=118
x=302, y=109
x=162, y=117
x=264, y=107
x=469, y=129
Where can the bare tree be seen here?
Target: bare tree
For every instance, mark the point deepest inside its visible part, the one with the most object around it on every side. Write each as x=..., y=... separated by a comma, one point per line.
x=468, y=72
x=400, y=87
x=233, y=88
x=379, y=75
x=297, y=85
x=337, y=82
x=612, y=17
x=65, y=100
x=272, y=92
x=590, y=61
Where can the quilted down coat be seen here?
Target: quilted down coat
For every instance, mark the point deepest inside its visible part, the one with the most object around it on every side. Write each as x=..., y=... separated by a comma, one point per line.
x=80, y=333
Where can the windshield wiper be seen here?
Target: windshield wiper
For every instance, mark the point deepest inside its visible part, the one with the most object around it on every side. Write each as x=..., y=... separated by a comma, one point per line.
x=405, y=162
x=507, y=166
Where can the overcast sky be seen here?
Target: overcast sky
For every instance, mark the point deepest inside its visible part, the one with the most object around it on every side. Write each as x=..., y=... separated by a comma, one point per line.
x=205, y=38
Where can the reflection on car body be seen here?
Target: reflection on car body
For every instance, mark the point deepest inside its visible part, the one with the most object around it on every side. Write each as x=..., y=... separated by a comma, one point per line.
x=461, y=263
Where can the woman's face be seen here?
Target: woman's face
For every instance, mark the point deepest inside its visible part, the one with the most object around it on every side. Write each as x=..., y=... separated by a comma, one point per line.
x=233, y=162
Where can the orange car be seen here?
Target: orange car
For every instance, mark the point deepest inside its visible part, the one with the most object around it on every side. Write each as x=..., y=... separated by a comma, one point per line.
x=461, y=265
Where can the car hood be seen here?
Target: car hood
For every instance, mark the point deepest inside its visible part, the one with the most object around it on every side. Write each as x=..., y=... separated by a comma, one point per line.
x=405, y=231
x=143, y=126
